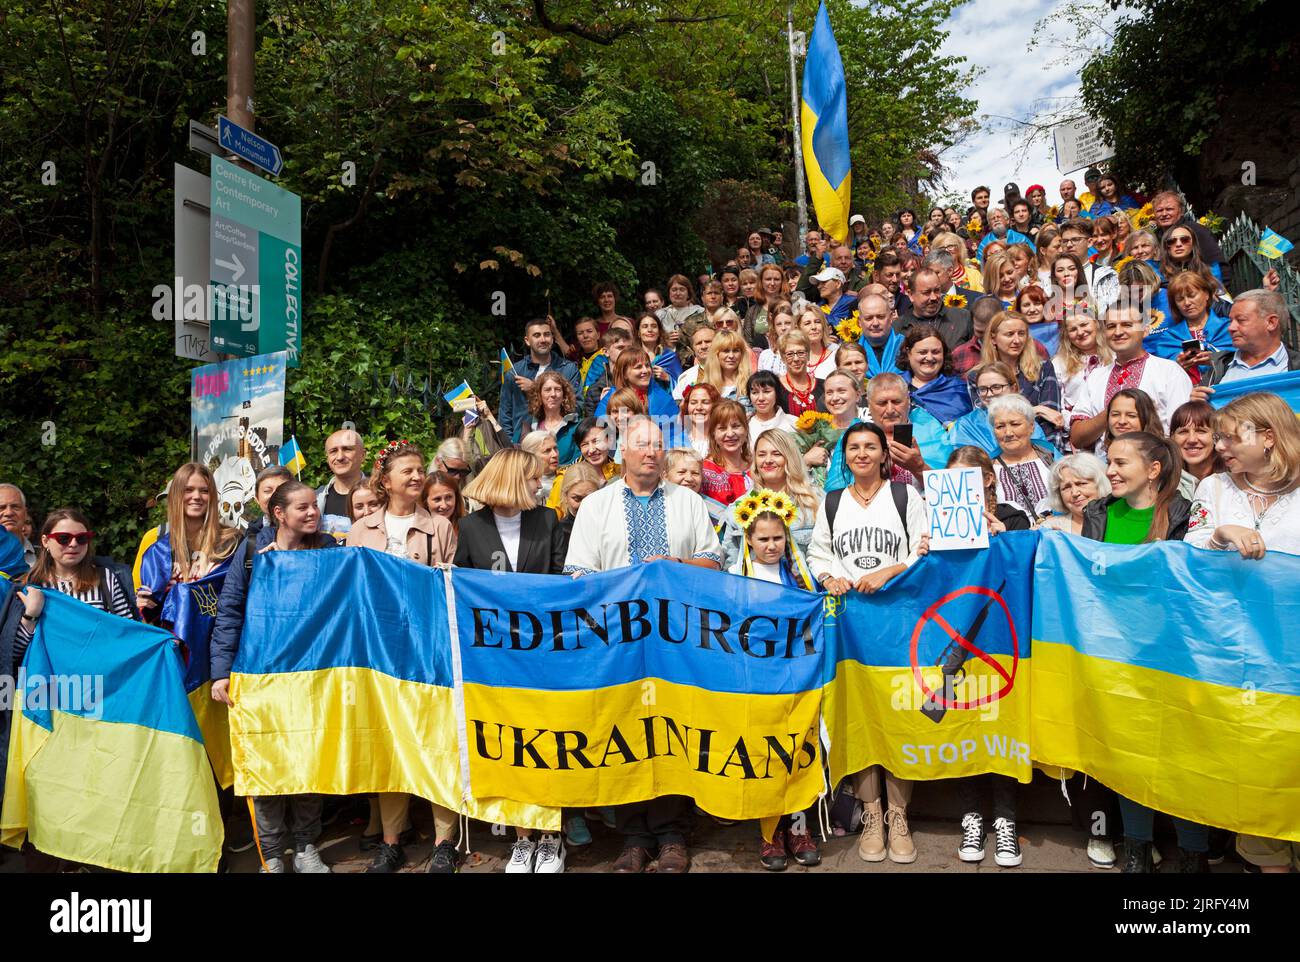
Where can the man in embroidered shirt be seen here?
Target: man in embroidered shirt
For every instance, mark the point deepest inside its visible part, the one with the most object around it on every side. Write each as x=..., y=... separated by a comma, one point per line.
x=1255, y=327
x=1164, y=381
x=640, y=518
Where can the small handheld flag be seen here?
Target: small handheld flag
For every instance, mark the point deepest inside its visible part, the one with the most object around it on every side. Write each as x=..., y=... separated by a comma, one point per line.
x=1273, y=245
x=291, y=456
x=458, y=393
x=461, y=399
x=507, y=366
x=825, y=135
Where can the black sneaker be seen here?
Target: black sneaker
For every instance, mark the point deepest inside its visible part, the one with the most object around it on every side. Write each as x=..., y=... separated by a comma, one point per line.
x=368, y=843
x=1007, y=853
x=388, y=859
x=1191, y=863
x=445, y=859
x=971, y=846
x=1137, y=858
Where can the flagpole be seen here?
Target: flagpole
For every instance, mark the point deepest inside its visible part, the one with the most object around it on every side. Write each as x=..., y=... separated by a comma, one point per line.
x=800, y=187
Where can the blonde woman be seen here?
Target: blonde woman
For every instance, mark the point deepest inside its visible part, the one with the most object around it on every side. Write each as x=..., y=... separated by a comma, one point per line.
x=1000, y=277
x=197, y=544
x=813, y=323
x=1082, y=352
x=729, y=365
x=780, y=321
x=755, y=324
x=779, y=467
x=1008, y=341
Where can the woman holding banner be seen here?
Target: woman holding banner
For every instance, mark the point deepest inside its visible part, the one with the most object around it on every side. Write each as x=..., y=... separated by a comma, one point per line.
x=294, y=525
x=1144, y=506
x=512, y=533
x=403, y=528
x=879, y=527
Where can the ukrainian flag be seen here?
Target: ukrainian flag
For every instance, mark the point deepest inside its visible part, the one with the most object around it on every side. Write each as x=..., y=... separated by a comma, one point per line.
x=507, y=366
x=1286, y=386
x=291, y=456
x=825, y=119
x=191, y=610
x=354, y=696
x=106, y=763
x=12, y=563
x=1273, y=245
x=1171, y=674
x=458, y=393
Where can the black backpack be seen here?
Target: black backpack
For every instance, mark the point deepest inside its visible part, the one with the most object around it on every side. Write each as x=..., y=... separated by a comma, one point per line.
x=896, y=488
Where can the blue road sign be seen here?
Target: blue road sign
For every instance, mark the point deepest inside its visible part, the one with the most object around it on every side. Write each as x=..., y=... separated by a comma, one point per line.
x=246, y=144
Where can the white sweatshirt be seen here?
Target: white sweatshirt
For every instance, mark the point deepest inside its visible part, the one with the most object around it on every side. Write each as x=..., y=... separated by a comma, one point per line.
x=866, y=539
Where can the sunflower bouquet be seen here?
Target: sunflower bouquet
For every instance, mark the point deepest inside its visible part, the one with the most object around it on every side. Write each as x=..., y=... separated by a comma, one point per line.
x=1212, y=222
x=1142, y=217
x=849, y=329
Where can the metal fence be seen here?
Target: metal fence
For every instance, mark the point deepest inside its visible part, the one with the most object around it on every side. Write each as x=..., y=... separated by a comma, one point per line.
x=1239, y=244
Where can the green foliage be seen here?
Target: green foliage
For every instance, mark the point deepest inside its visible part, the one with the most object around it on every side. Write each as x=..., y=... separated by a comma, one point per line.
x=1159, y=86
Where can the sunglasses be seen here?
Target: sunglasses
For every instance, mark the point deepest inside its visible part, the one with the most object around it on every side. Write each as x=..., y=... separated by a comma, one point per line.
x=458, y=472
x=64, y=538
x=1177, y=240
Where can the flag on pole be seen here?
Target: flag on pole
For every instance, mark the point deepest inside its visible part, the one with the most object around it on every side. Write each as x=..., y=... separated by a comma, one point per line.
x=1273, y=245
x=825, y=118
x=507, y=366
x=462, y=392
x=291, y=457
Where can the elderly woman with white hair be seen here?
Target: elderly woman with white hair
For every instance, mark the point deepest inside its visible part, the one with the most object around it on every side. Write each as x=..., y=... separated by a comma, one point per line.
x=1022, y=469
x=1071, y=484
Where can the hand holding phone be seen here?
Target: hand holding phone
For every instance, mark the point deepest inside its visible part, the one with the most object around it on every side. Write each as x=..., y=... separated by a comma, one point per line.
x=903, y=434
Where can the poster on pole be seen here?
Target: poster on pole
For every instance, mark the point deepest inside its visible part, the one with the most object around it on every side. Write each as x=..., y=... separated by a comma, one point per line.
x=954, y=498
x=1080, y=143
x=237, y=426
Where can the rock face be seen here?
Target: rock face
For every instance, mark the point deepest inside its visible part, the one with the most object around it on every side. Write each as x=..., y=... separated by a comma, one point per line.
x=1260, y=128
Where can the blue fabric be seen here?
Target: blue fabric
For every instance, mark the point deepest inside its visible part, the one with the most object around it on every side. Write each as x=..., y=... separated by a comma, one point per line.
x=1103, y=208
x=566, y=443
x=599, y=364
x=1048, y=334
x=1285, y=384
x=1013, y=237
x=661, y=403
x=946, y=397
x=1167, y=341
x=824, y=93
x=843, y=308
x=191, y=611
x=670, y=362
x=12, y=562
x=888, y=361
x=974, y=429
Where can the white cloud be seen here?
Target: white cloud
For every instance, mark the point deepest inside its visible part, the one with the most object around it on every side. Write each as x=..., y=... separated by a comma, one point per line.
x=994, y=34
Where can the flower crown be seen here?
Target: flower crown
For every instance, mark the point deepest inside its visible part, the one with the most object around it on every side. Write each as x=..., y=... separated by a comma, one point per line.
x=750, y=507
x=389, y=450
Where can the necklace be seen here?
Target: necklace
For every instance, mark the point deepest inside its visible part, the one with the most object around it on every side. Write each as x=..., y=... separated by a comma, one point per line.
x=1262, y=491
x=863, y=499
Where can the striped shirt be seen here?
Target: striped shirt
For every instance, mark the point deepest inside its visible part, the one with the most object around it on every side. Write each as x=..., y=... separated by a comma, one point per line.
x=117, y=604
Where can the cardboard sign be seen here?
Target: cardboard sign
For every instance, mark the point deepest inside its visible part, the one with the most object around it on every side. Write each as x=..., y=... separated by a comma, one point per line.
x=955, y=500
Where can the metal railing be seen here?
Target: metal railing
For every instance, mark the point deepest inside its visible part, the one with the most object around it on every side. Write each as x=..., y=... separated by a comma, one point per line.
x=1239, y=244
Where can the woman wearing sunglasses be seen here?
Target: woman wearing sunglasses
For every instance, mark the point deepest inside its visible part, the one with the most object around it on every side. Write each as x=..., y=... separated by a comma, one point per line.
x=1179, y=252
x=65, y=564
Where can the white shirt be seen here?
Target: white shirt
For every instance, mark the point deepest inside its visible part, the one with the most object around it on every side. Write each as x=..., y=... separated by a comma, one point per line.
x=688, y=378
x=769, y=360
x=508, y=528
x=397, y=527
x=614, y=529
x=1219, y=501
x=866, y=539
x=764, y=572
x=828, y=364
x=1164, y=381
x=783, y=421
x=1071, y=387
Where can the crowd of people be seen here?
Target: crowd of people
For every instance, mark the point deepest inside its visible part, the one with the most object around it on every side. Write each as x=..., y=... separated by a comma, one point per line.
x=775, y=419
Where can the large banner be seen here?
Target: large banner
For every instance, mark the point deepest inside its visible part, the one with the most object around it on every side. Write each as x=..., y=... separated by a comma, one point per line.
x=930, y=677
x=654, y=680
x=237, y=426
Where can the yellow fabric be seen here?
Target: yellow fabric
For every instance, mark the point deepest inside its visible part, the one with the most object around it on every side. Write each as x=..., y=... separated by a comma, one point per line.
x=214, y=723
x=974, y=279
x=1217, y=749
x=329, y=731
x=120, y=796
x=875, y=712
x=146, y=543
x=831, y=204
x=502, y=721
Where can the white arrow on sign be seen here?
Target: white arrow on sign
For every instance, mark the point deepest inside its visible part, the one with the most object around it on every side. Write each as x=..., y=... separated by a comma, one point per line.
x=233, y=265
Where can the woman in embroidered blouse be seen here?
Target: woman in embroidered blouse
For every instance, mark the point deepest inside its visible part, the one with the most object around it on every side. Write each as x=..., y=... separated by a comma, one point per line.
x=821, y=352
x=726, y=469
x=802, y=390
x=1022, y=471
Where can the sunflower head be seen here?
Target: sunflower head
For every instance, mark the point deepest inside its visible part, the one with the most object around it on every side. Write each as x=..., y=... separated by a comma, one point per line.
x=954, y=300
x=805, y=420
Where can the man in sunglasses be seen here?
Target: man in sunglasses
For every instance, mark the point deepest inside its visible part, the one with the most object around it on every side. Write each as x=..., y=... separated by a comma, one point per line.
x=15, y=519
x=1167, y=211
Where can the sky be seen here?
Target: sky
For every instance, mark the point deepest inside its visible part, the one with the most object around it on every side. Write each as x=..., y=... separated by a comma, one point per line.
x=993, y=34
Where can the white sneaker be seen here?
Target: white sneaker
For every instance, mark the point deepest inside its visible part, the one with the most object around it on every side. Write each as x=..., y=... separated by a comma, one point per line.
x=1007, y=853
x=971, y=846
x=550, y=855
x=521, y=857
x=309, y=862
x=272, y=866
x=1101, y=852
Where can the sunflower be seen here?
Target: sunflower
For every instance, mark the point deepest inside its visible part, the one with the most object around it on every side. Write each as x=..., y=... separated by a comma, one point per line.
x=1119, y=264
x=954, y=300
x=923, y=241
x=765, y=498
x=744, y=515
x=975, y=225
x=848, y=329
x=805, y=420
x=1158, y=319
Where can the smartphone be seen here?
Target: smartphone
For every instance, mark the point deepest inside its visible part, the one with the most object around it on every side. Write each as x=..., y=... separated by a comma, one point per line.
x=903, y=434
x=1192, y=346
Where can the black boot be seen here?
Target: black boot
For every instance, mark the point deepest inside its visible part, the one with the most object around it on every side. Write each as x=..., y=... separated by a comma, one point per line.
x=1191, y=863
x=1137, y=857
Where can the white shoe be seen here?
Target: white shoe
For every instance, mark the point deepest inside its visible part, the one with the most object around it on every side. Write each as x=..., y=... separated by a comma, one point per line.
x=1101, y=852
x=309, y=862
x=1007, y=852
x=971, y=847
x=550, y=855
x=272, y=866
x=521, y=857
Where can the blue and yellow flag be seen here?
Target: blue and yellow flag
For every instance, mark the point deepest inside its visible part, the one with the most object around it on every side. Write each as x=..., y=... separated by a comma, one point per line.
x=1285, y=385
x=191, y=610
x=106, y=763
x=291, y=456
x=458, y=393
x=12, y=562
x=1171, y=674
x=825, y=120
x=332, y=701
x=930, y=676
x=507, y=366
x=1273, y=245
